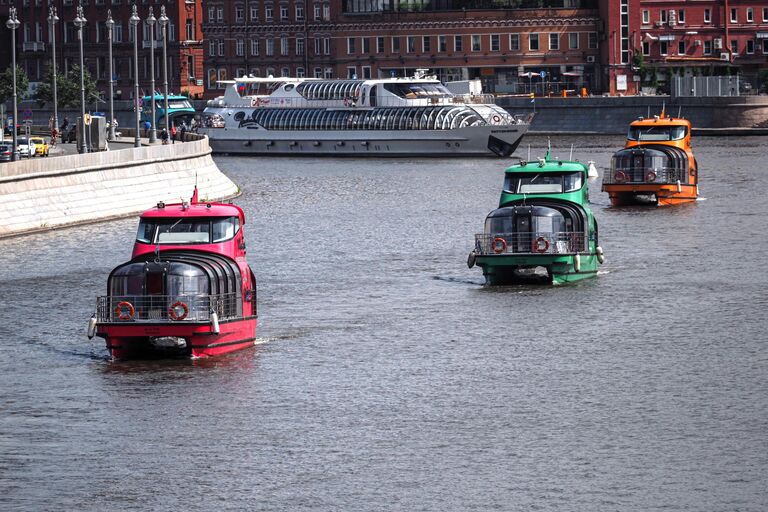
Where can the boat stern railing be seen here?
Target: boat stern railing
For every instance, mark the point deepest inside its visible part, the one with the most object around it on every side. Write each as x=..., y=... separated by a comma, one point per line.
x=165, y=308
x=648, y=175
x=564, y=242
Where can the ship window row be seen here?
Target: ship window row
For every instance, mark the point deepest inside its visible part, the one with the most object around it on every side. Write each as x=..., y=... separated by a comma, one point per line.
x=336, y=90
x=411, y=118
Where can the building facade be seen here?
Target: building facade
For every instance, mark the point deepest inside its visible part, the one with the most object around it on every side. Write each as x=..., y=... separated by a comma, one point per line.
x=35, y=44
x=648, y=42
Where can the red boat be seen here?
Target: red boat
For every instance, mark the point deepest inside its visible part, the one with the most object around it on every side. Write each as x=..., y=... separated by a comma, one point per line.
x=188, y=289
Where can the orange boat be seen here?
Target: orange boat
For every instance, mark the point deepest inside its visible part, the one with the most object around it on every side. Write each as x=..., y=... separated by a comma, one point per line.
x=656, y=164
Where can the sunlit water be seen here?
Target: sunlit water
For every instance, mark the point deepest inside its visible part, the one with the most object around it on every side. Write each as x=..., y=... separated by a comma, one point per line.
x=388, y=378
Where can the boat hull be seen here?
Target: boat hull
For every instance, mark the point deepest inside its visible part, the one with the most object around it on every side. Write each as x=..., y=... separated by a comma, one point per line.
x=506, y=270
x=135, y=341
x=477, y=141
x=663, y=195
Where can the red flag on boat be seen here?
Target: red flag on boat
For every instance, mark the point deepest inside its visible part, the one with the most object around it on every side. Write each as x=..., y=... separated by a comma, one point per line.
x=194, y=196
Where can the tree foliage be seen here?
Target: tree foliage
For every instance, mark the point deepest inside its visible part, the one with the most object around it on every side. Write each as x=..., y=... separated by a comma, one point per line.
x=6, y=84
x=68, y=88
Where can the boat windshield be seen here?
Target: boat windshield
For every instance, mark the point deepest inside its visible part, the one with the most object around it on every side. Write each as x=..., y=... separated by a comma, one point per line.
x=186, y=231
x=418, y=90
x=542, y=183
x=657, y=133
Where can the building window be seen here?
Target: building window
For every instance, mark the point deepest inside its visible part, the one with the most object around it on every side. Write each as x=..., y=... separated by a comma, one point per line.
x=765, y=45
x=300, y=17
x=221, y=47
x=352, y=72
x=220, y=19
x=284, y=45
x=239, y=14
x=351, y=46
x=326, y=17
x=475, y=43
x=458, y=45
x=283, y=13
x=411, y=40
x=190, y=31
x=734, y=15
x=646, y=48
x=681, y=16
x=750, y=15
x=592, y=41
x=212, y=19
x=573, y=41
x=299, y=72
x=268, y=13
x=533, y=42
x=318, y=46
x=379, y=45
x=270, y=49
x=212, y=48
x=395, y=45
x=646, y=17
x=240, y=48
x=222, y=77
x=365, y=45
x=426, y=44
x=514, y=42
x=318, y=72
x=326, y=45
x=734, y=46
x=254, y=12
x=254, y=46
x=317, y=18
x=708, y=47
x=328, y=74
x=366, y=72
x=495, y=43
x=211, y=78
x=663, y=16
x=554, y=41
x=765, y=13
x=442, y=44
x=707, y=16
x=663, y=47
x=750, y=46
x=239, y=72
x=681, y=48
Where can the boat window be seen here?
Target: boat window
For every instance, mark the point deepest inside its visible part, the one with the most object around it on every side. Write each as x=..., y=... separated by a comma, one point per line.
x=543, y=183
x=181, y=231
x=418, y=90
x=186, y=279
x=127, y=280
x=225, y=228
x=657, y=133
x=572, y=182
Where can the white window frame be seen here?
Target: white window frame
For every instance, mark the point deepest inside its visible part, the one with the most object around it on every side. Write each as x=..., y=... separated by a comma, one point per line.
x=476, y=43
x=573, y=36
x=646, y=16
x=554, y=37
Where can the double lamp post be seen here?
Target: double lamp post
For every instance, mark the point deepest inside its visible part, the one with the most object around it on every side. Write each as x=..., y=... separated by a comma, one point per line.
x=80, y=23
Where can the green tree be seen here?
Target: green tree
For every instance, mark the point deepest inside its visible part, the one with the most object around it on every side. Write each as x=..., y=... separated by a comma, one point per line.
x=6, y=84
x=67, y=88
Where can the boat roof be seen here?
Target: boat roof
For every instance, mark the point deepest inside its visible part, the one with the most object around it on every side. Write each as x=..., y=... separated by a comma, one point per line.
x=202, y=209
x=660, y=121
x=285, y=79
x=552, y=165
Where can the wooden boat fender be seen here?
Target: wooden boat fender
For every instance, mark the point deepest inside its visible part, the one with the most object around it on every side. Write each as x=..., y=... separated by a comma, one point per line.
x=541, y=245
x=499, y=245
x=125, y=311
x=173, y=311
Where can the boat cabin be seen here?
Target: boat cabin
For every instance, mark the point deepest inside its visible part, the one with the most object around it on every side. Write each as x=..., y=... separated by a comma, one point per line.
x=649, y=164
x=543, y=183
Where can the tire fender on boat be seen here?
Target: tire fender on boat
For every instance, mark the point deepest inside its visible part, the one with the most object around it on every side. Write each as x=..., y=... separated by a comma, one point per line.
x=499, y=245
x=471, y=259
x=125, y=311
x=173, y=314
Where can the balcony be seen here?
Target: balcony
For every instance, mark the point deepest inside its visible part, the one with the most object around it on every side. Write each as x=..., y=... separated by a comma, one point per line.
x=33, y=46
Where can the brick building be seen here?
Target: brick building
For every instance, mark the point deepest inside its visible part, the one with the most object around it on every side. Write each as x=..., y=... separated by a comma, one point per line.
x=511, y=46
x=649, y=41
x=184, y=50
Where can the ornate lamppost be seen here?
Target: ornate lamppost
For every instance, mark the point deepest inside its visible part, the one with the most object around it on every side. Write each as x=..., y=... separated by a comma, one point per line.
x=80, y=22
x=134, y=23
x=13, y=24
x=163, y=20
x=151, y=22
x=110, y=23
x=53, y=20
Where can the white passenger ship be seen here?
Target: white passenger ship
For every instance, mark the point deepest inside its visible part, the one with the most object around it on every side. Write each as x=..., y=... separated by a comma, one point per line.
x=377, y=117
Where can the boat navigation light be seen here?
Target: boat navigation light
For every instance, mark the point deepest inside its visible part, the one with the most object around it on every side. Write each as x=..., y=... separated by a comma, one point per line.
x=184, y=205
x=160, y=205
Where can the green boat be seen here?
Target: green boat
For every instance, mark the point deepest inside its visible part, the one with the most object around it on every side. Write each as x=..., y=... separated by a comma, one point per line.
x=543, y=230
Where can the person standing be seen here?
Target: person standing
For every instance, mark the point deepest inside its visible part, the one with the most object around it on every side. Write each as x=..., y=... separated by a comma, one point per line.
x=183, y=130
x=173, y=133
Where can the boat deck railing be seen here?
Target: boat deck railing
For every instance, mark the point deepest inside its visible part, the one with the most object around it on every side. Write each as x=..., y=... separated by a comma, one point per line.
x=563, y=242
x=650, y=175
x=164, y=308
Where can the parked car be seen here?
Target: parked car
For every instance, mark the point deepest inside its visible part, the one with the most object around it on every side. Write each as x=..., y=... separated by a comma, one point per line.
x=40, y=146
x=69, y=134
x=23, y=147
x=6, y=152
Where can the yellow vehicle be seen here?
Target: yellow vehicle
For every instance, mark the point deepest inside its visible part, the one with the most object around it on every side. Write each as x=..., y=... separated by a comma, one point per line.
x=38, y=146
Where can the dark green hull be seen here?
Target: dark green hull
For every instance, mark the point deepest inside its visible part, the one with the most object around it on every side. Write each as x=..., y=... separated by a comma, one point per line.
x=508, y=269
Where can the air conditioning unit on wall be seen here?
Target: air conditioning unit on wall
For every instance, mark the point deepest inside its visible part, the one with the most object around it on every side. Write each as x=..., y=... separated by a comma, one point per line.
x=590, y=58
x=725, y=57
x=718, y=43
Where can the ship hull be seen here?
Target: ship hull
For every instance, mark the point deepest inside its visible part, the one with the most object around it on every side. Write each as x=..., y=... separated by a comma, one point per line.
x=662, y=195
x=139, y=341
x=469, y=141
x=500, y=270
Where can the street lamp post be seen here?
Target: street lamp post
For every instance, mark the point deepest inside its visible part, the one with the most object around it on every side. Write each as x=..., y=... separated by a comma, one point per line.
x=134, y=23
x=110, y=23
x=13, y=24
x=151, y=22
x=53, y=20
x=163, y=20
x=80, y=22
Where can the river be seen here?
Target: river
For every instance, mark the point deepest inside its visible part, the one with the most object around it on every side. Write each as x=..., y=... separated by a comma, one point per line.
x=386, y=377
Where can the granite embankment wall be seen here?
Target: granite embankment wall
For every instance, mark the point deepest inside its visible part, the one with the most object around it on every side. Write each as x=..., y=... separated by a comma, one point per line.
x=47, y=193
x=612, y=115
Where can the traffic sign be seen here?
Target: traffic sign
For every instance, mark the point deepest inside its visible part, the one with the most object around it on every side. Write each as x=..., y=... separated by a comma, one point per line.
x=87, y=119
x=543, y=74
x=27, y=114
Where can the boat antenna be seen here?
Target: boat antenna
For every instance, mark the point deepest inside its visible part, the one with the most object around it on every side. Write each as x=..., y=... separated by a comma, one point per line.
x=679, y=111
x=549, y=148
x=649, y=112
x=570, y=157
x=529, y=152
x=663, y=108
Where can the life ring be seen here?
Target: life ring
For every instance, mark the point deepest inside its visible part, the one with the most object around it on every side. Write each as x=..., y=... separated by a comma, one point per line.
x=651, y=176
x=124, y=311
x=174, y=315
x=541, y=244
x=499, y=245
x=620, y=176
x=496, y=119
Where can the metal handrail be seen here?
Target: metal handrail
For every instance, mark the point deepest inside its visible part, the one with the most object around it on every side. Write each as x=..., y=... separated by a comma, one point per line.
x=162, y=308
x=651, y=175
x=563, y=242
